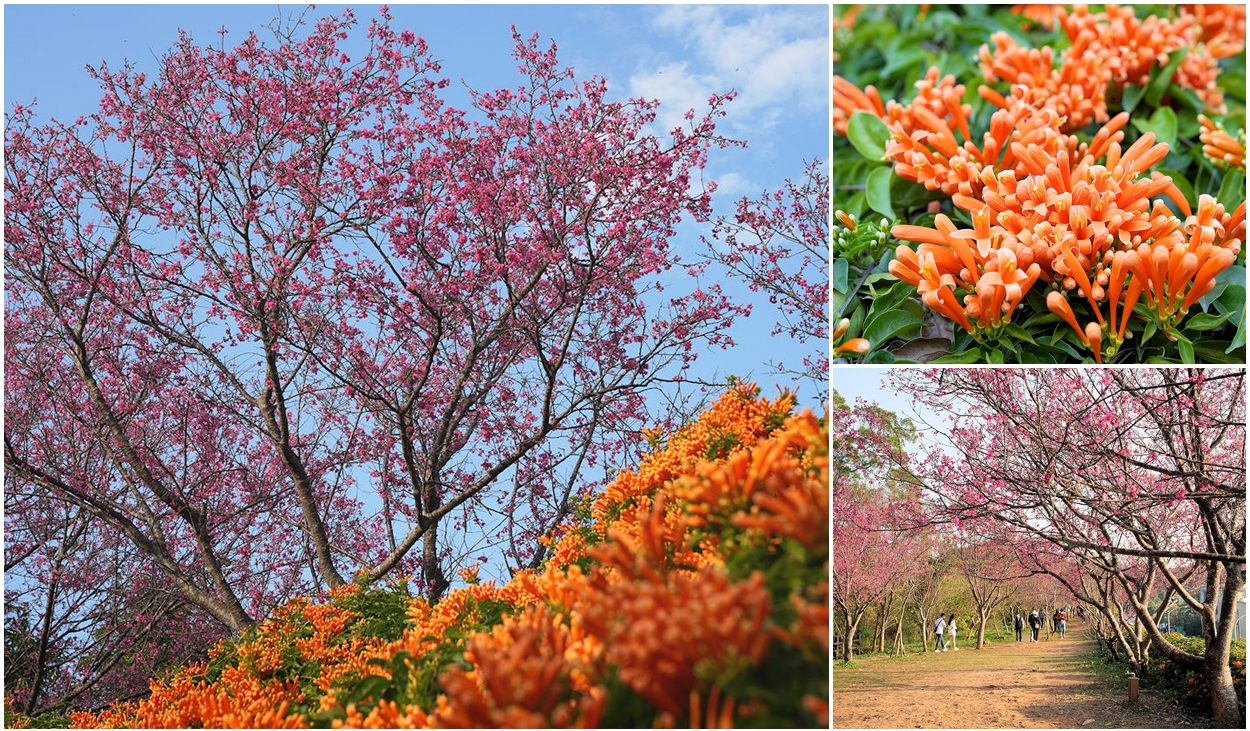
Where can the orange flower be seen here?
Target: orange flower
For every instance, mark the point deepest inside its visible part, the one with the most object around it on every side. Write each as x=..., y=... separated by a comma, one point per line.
x=1219, y=146
x=843, y=325
x=1057, y=304
x=1223, y=27
x=1042, y=14
x=469, y=574
x=1093, y=336
x=945, y=262
x=522, y=671
x=854, y=345
x=714, y=719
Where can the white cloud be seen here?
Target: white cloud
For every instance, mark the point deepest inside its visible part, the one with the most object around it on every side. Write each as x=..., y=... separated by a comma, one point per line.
x=775, y=59
x=732, y=185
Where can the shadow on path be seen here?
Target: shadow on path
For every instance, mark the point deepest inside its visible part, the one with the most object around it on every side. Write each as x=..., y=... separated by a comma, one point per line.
x=1014, y=685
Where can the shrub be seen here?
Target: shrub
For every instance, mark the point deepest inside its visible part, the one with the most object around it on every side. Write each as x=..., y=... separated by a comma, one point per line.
x=1189, y=686
x=694, y=591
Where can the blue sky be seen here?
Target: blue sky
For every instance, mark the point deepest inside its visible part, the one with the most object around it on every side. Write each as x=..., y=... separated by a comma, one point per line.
x=776, y=57
x=872, y=385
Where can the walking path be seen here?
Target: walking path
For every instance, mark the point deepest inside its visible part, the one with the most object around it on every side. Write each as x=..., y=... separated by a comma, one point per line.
x=1026, y=685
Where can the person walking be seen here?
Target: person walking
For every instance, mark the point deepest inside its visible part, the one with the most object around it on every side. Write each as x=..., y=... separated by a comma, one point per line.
x=1062, y=618
x=1019, y=625
x=939, y=629
x=953, y=631
x=1035, y=625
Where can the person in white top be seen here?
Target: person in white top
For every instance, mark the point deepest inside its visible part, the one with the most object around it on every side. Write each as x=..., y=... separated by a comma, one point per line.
x=939, y=627
x=952, y=630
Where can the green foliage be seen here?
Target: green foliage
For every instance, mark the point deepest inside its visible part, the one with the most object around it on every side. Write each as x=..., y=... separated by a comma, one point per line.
x=721, y=444
x=1188, y=686
x=383, y=614
x=43, y=720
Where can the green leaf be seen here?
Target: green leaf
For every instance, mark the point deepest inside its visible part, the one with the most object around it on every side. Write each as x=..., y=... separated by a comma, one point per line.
x=837, y=301
x=1019, y=333
x=995, y=356
x=1037, y=357
x=886, y=325
x=905, y=57
x=877, y=191
x=892, y=297
x=1163, y=123
x=840, y=269
x=1041, y=318
x=1207, y=354
x=1160, y=80
x=972, y=355
x=1239, y=340
x=1232, y=190
x=855, y=205
x=373, y=686
x=1187, y=350
x=907, y=194
x=1234, y=276
x=1203, y=321
x=1233, y=298
x=1233, y=82
x=1187, y=124
x=1132, y=95
x=868, y=134
x=1185, y=97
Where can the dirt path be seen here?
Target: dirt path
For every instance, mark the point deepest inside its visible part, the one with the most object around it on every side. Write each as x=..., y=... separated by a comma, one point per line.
x=1044, y=685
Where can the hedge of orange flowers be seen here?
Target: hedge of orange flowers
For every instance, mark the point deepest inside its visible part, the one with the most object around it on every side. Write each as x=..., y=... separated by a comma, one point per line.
x=1053, y=199
x=693, y=593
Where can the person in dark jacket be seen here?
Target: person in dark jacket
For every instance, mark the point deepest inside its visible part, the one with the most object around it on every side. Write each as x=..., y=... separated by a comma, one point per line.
x=1019, y=625
x=1035, y=626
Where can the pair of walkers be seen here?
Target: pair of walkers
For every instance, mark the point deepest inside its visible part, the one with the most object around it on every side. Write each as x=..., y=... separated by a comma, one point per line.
x=1036, y=621
x=943, y=627
x=1035, y=625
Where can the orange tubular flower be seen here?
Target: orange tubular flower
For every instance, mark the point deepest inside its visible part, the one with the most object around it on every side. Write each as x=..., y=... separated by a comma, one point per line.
x=1042, y=14
x=858, y=346
x=936, y=289
x=843, y=325
x=1093, y=336
x=993, y=269
x=1128, y=48
x=847, y=98
x=1222, y=27
x=1057, y=304
x=1219, y=146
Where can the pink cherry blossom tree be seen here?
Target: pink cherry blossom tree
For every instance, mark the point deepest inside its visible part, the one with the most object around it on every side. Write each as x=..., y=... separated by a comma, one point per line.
x=875, y=548
x=1139, y=474
x=779, y=244
x=87, y=618
x=279, y=318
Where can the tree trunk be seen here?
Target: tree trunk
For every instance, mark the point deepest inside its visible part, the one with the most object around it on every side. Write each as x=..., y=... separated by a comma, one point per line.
x=1220, y=685
x=1218, y=636
x=981, y=620
x=849, y=638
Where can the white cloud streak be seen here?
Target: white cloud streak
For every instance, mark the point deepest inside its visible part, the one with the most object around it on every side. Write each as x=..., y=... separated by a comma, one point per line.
x=774, y=57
